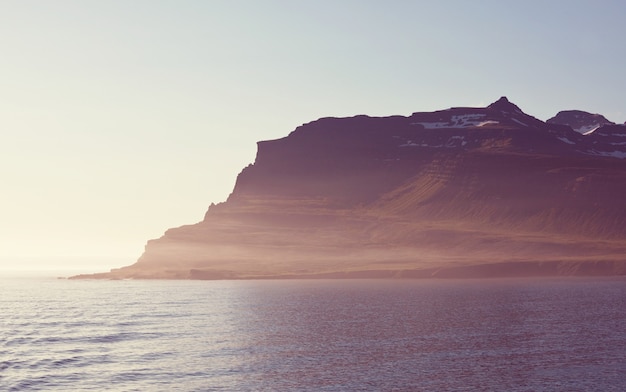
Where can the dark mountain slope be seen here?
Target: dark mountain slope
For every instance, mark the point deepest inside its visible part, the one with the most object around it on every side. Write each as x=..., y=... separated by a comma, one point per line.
x=460, y=192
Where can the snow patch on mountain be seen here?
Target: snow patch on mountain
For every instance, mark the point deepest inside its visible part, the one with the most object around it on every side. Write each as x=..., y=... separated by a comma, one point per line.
x=458, y=122
x=566, y=140
x=587, y=129
x=519, y=122
x=488, y=122
x=612, y=154
x=452, y=142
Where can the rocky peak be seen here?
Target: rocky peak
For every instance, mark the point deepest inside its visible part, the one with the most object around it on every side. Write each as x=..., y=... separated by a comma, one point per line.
x=580, y=121
x=504, y=105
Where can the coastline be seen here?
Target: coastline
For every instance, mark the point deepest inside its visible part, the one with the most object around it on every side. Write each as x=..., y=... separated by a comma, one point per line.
x=514, y=269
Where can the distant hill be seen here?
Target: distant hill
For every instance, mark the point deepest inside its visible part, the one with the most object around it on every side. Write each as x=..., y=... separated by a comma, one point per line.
x=462, y=192
x=581, y=122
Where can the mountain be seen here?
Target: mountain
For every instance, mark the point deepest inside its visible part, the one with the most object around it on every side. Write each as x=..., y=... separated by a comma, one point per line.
x=579, y=121
x=462, y=192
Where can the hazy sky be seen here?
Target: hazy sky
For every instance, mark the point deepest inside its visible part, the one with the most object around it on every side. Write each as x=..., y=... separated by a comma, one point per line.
x=120, y=119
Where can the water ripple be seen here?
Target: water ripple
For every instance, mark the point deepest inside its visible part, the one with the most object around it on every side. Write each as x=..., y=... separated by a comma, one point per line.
x=313, y=335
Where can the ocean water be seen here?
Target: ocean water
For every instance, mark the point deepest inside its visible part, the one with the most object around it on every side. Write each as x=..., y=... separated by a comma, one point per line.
x=354, y=335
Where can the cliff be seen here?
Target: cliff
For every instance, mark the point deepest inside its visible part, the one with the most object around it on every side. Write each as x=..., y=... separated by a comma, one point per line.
x=462, y=192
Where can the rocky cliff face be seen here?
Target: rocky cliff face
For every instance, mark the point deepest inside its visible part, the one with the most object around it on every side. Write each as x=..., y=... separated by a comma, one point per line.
x=459, y=192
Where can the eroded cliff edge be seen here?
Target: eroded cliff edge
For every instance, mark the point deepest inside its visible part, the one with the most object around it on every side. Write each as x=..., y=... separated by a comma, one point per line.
x=462, y=192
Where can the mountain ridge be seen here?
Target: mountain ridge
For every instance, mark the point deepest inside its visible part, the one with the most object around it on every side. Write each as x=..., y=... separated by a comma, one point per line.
x=451, y=192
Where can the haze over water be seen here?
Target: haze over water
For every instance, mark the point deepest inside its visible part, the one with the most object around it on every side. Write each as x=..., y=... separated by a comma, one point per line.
x=513, y=335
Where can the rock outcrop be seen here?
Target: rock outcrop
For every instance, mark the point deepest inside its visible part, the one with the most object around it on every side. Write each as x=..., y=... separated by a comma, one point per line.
x=462, y=192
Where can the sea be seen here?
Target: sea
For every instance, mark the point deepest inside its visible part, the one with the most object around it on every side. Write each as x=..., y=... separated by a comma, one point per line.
x=313, y=335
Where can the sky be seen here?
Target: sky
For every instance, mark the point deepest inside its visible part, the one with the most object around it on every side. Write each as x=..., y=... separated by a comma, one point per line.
x=121, y=119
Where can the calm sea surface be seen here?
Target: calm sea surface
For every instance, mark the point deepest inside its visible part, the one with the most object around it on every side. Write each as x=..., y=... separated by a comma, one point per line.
x=357, y=335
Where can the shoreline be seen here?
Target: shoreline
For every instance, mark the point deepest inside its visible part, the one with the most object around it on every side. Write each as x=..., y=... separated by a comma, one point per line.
x=517, y=269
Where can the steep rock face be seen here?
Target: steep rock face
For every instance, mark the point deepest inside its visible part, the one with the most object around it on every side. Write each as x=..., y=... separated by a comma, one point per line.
x=476, y=191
